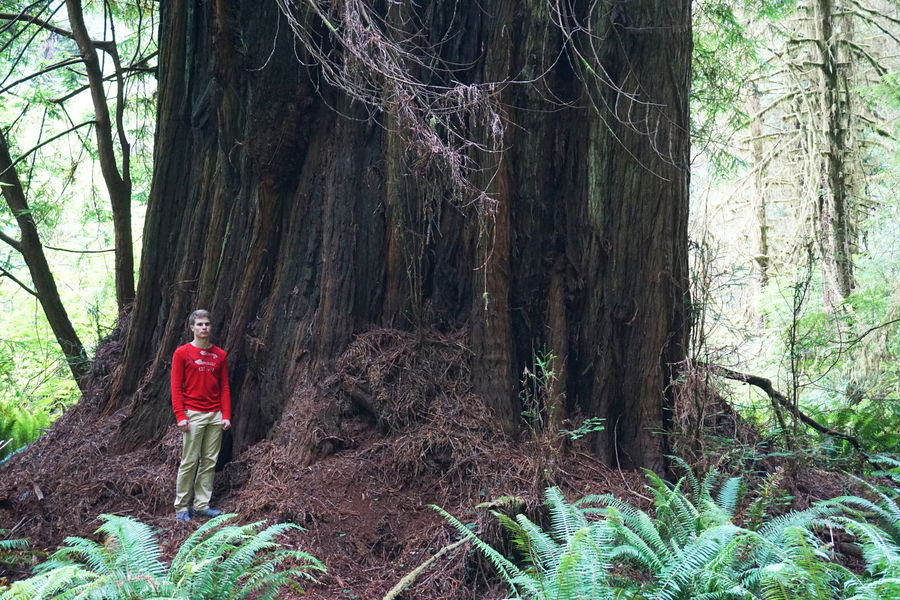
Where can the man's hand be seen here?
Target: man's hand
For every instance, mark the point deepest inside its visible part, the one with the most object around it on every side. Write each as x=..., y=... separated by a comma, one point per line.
x=226, y=424
x=184, y=426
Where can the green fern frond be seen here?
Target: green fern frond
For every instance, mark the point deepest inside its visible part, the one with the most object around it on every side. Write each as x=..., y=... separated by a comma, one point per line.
x=11, y=545
x=632, y=545
x=188, y=546
x=637, y=521
x=659, y=487
x=730, y=494
x=48, y=584
x=775, y=528
x=678, y=518
x=81, y=551
x=267, y=580
x=881, y=554
x=776, y=582
x=806, y=564
x=242, y=558
x=880, y=589
x=583, y=567
x=886, y=513
x=518, y=536
x=863, y=508
x=710, y=481
x=694, y=558
x=540, y=549
x=691, y=550
x=132, y=546
x=597, y=504
x=565, y=519
x=689, y=475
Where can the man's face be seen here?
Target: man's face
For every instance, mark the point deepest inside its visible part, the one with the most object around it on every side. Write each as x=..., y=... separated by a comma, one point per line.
x=200, y=328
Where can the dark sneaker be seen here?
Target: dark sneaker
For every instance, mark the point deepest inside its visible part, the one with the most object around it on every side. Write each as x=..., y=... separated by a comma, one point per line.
x=183, y=516
x=207, y=512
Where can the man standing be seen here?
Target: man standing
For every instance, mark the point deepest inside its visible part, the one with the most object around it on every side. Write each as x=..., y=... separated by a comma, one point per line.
x=201, y=400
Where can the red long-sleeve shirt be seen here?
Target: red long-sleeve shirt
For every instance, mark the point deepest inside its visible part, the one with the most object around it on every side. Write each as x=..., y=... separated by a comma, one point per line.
x=200, y=381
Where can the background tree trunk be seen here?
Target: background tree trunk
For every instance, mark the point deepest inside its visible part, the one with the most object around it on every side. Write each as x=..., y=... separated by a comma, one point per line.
x=118, y=183
x=297, y=226
x=29, y=246
x=759, y=228
x=833, y=209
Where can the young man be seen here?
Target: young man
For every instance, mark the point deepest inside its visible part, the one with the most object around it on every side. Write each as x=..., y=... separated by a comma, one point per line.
x=201, y=400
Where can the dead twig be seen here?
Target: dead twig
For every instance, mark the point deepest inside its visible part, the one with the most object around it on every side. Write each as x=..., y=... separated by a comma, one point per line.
x=411, y=577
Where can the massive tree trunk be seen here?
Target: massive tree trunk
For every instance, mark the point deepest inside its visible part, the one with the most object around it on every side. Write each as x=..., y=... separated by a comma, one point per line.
x=288, y=211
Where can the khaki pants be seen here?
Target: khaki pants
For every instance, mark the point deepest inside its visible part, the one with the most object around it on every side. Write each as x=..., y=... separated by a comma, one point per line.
x=198, y=460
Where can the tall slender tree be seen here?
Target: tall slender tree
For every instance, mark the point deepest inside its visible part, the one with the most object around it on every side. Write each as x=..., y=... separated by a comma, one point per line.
x=27, y=27
x=117, y=178
x=28, y=244
x=40, y=47
x=760, y=227
x=829, y=31
x=813, y=130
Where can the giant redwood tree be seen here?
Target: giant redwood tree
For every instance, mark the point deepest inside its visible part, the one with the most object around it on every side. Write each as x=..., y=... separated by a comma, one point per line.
x=313, y=179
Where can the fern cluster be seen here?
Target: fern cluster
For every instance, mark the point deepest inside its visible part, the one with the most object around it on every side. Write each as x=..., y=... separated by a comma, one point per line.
x=601, y=547
x=20, y=425
x=217, y=561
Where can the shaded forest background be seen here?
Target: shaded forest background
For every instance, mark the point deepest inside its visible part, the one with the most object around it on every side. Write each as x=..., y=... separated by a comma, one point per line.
x=441, y=244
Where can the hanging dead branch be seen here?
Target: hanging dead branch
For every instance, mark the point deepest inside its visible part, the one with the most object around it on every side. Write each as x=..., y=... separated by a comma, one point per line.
x=386, y=64
x=621, y=98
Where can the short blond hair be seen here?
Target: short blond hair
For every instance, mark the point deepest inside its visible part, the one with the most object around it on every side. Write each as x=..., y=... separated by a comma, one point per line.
x=197, y=314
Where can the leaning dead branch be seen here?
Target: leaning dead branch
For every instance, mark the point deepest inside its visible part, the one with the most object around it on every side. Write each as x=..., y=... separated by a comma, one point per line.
x=766, y=386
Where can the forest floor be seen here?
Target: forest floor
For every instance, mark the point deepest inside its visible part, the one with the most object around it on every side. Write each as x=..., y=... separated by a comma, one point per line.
x=368, y=522
x=363, y=493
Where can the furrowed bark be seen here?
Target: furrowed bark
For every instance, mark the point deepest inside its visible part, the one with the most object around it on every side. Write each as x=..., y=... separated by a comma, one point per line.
x=298, y=226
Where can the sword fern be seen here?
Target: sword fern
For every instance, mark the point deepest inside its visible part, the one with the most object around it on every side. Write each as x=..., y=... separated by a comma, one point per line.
x=217, y=562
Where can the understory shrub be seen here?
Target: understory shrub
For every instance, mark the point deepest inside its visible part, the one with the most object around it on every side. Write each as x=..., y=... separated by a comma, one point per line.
x=20, y=426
